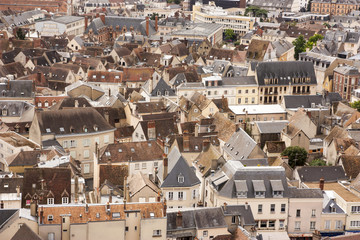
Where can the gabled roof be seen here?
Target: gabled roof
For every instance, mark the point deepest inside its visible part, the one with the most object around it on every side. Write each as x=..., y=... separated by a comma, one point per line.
x=113, y=173
x=351, y=165
x=25, y=233
x=314, y=173
x=161, y=88
x=5, y=215
x=271, y=126
x=163, y=127
x=181, y=168
x=138, y=181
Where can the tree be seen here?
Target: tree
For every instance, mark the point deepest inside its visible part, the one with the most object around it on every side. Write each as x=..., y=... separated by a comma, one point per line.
x=229, y=34
x=251, y=9
x=355, y=105
x=300, y=46
x=313, y=39
x=154, y=15
x=327, y=25
x=297, y=155
x=309, y=6
x=20, y=34
x=177, y=1
x=317, y=162
x=261, y=13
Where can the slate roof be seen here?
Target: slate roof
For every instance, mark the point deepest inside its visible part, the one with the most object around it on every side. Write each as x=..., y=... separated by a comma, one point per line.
x=88, y=120
x=17, y=89
x=181, y=168
x=314, y=173
x=113, y=173
x=285, y=71
x=25, y=233
x=70, y=102
x=5, y=215
x=332, y=204
x=239, y=81
x=305, y=193
x=26, y=158
x=266, y=127
x=162, y=87
x=163, y=127
x=294, y=101
x=15, y=108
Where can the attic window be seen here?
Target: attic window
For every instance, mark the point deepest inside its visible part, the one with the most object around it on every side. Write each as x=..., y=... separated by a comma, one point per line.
x=107, y=154
x=6, y=185
x=196, y=147
x=85, y=129
x=116, y=215
x=180, y=178
x=94, y=76
x=96, y=128
x=152, y=215
x=132, y=149
x=120, y=150
x=62, y=129
x=72, y=130
x=236, y=153
x=98, y=215
x=231, y=148
x=4, y=112
x=48, y=130
x=149, y=144
x=50, y=217
x=228, y=145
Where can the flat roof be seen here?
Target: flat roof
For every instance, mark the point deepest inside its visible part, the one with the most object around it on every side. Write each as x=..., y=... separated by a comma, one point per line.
x=199, y=29
x=17, y=140
x=67, y=19
x=339, y=189
x=256, y=109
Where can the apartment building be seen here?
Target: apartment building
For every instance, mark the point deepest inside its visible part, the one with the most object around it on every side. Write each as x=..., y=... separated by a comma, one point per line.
x=71, y=25
x=212, y=14
x=335, y=7
x=346, y=79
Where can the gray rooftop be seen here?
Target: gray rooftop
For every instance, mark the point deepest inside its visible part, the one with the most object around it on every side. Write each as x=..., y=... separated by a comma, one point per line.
x=67, y=19
x=271, y=126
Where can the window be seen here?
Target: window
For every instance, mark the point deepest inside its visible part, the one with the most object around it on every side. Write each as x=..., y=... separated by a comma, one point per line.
x=355, y=209
x=271, y=223
x=253, y=91
x=50, y=217
x=263, y=224
x=157, y=233
x=194, y=194
x=272, y=208
x=259, y=194
x=281, y=224
x=239, y=91
x=297, y=225
x=313, y=213
x=155, y=164
x=298, y=211
x=171, y=195
x=51, y=236
x=283, y=208
x=143, y=165
x=65, y=200
x=312, y=225
x=233, y=219
x=327, y=224
x=86, y=154
x=116, y=215
x=86, y=142
x=72, y=143
x=205, y=233
x=260, y=208
x=152, y=215
x=50, y=201
x=180, y=195
x=338, y=224
x=126, y=229
x=180, y=178
x=87, y=168
x=246, y=91
x=137, y=166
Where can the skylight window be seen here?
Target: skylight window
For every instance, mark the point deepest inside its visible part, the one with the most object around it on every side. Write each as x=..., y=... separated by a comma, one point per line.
x=48, y=130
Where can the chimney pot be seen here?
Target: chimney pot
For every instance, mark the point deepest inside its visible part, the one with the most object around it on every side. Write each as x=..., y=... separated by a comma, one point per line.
x=321, y=184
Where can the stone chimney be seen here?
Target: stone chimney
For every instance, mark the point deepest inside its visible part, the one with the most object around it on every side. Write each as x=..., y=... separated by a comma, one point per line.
x=165, y=207
x=41, y=215
x=165, y=164
x=147, y=26
x=86, y=22
x=179, y=220
x=246, y=205
x=151, y=130
x=18, y=191
x=206, y=144
x=321, y=184
x=225, y=207
x=197, y=126
x=156, y=23
x=186, y=141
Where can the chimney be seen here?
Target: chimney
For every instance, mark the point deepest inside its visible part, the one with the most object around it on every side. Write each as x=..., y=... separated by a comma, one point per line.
x=165, y=164
x=197, y=126
x=206, y=144
x=165, y=207
x=102, y=17
x=179, y=220
x=86, y=208
x=97, y=15
x=158, y=198
x=156, y=23
x=76, y=103
x=86, y=22
x=321, y=184
x=246, y=205
x=110, y=196
x=76, y=188
x=108, y=208
x=41, y=215
x=147, y=26
x=33, y=208
x=186, y=141
x=151, y=130
x=225, y=207
x=106, y=115
x=18, y=191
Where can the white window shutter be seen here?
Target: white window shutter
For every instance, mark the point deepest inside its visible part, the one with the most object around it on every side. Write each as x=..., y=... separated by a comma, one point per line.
x=184, y=195
x=176, y=196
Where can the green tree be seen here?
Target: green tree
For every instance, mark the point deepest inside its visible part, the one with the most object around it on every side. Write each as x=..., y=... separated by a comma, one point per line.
x=297, y=155
x=177, y=1
x=327, y=25
x=229, y=34
x=261, y=13
x=300, y=46
x=313, y=39
x=317, y=162
x=256, y=11
x=20, y=34
x=309, y=6
x=355, y=105
x=154, y=15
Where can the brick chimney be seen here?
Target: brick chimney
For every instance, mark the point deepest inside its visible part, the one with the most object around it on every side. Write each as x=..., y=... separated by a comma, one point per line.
x=86, y=22
x=321, y=184
x=165, y=207
x=179, y=220
x=156, y=23
x=147, y=26
x=102, y=17
x=186, y=141
x=206, y=144
x=165, y=164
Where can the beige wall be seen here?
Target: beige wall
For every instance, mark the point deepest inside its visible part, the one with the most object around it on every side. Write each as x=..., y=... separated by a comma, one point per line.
x=149, y=225
x=44, y=231
x=11, y=227
x=332, y=217
x=241, y=94
x=188, y=199
x=145, y=193
x=211, y=232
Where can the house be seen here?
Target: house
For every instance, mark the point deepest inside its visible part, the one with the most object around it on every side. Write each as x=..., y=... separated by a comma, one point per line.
x=315, y=173
x=76, y=44
x=273, y=149
x=264, y=188
x=11, y=219
x=286, y=6
x=351, y=165
x=277, y=79
x=264, y=131
x=180, y=184
x=155, y=91
x=242, y=146
x=337, y=147
x=10, y=192
x=25, y=232
x=245, y=114
x=197, y=107
x=80, y=88
x=138, y=221
x=142, y=189
x=154, y=129
x=298, y=211
x=16, y=111
x=46, y=186
x=294, y=136
x=144, y=157
x=346, y=80
x=79, y=137
x=20, y=90
x=209, y=223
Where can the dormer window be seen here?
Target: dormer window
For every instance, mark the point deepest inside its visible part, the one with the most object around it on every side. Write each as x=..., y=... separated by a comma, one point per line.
x=259, y=194
x=85, y=129
x=48, y=130
x=241, y=188
x=180, y=178
x=259, y=188
x=96, y=128
x=277, y=188
x=72, y=129
x=4, y=112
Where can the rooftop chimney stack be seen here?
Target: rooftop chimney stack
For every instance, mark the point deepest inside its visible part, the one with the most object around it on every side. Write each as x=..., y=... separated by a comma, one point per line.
x=156, y=23
x=321, y=184
x=179, y=220
x=147, y=26
x=165, y=164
